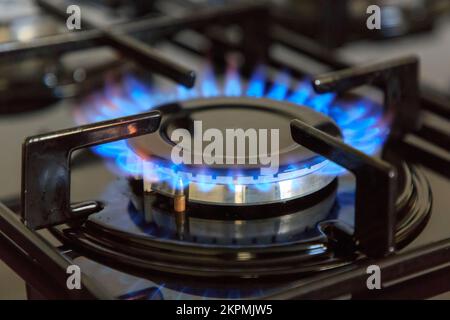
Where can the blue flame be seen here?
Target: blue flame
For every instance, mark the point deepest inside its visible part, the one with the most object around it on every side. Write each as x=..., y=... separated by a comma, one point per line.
x=280, y=87
x=208, y=84
x=362, y=122
x=232, y=83
x=257, y=83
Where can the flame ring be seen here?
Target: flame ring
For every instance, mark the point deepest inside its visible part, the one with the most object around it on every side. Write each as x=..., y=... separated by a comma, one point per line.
x=361, y=120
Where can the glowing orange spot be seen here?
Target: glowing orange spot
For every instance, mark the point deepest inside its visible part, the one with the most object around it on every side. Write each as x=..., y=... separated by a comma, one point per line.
x=132, y=128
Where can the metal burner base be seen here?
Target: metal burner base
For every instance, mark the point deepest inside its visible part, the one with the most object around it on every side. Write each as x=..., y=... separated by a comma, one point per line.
x=120, y=237
x=262, y=224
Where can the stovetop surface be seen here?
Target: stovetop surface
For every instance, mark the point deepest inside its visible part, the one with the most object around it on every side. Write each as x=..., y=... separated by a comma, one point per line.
x=433, y=50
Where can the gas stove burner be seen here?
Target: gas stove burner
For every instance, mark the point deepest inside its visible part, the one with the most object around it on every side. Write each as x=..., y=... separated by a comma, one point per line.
x=233, y=204
x=264, y=208
x=300, y=172
x=231, y=221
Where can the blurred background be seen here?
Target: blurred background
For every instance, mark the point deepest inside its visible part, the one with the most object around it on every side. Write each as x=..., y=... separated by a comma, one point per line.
x=38, y=92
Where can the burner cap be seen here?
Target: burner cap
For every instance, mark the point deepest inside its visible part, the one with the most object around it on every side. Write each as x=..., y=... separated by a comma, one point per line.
x=235, y=113
x=236, y=184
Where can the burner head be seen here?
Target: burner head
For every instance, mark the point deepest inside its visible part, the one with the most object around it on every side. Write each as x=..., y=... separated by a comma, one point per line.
x=234, y=113
x=250, y=224
x=236, y=183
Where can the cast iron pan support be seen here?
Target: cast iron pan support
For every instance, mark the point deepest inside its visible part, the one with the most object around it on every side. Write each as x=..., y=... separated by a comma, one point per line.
x=131, y=47
x=398, y=78
x=375, y=179
x=375, y=188
x=46, y=167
